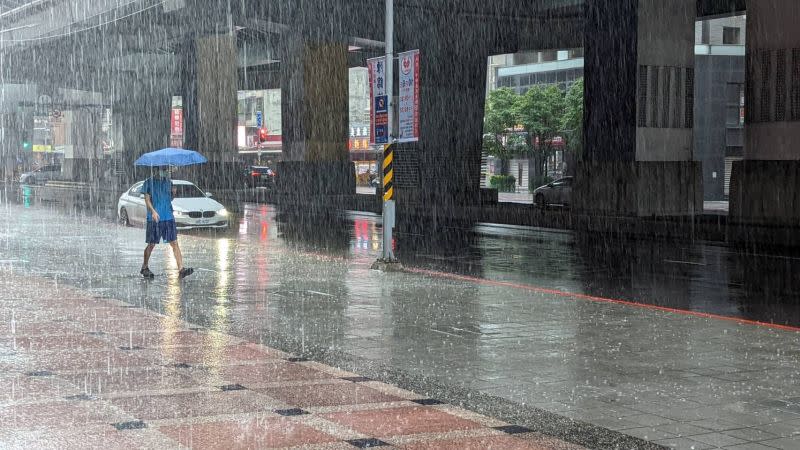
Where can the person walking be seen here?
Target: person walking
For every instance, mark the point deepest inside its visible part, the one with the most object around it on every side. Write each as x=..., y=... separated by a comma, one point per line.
x=161, y=225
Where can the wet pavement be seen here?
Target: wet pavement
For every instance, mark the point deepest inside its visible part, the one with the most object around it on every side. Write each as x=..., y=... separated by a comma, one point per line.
x=84, y=372
x=513, y=323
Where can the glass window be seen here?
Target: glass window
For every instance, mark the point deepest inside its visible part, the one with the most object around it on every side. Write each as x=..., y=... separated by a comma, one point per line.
x=731, y=35
x=187, y=191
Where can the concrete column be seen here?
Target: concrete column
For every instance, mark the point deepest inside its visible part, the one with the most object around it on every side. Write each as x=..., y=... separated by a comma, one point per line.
x=638, y=126
x=140, y=107
x=764, y=187
x=210, y=81
x=442, y=170
x=314, y=103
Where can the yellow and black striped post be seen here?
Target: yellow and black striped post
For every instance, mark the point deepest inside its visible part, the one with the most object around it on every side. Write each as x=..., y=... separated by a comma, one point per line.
x=388, y=204
x=388, y=173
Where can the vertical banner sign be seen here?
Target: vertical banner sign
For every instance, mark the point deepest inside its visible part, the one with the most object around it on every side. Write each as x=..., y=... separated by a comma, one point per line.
x=176, y=123
x=409, y=97
x=259, y=119
x=379, y=110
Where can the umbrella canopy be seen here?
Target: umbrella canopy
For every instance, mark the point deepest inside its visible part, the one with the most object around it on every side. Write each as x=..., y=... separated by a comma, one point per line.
x=171, y=157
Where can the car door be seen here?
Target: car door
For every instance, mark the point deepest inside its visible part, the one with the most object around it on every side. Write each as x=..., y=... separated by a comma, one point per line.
x=554, y=193
x=566, y=192
x=135, y=204
x=48, y=173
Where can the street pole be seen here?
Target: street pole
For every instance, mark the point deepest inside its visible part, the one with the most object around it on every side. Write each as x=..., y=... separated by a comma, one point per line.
x=388, y=174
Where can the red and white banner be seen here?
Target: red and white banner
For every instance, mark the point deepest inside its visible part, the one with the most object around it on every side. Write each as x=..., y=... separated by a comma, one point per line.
x=176, y=123
x=409, y=97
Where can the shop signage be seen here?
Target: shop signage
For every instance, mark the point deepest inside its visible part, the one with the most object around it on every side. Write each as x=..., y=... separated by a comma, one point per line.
x=379, y=111
x=176, y=123
x=409, y=97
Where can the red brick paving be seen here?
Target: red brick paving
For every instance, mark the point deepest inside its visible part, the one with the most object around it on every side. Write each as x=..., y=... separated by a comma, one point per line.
x=249, y=434
x=170, y=384
x=401, y=421
x=328, y=395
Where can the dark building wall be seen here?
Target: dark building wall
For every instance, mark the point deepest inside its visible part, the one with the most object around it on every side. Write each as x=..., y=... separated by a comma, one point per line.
x=713, y=74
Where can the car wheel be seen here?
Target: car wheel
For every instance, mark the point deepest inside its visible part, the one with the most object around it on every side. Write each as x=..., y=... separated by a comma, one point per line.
x=123, y=218
x=541, y=203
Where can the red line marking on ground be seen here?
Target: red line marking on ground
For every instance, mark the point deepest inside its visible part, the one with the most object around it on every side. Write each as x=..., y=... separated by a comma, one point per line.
x=592, y=298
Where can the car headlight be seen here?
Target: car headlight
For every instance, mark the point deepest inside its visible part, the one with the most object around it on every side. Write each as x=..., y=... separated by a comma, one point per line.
x=222, y=212
x=180, y=214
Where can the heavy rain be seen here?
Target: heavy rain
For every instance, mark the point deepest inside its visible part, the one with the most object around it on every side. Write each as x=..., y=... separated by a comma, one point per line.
x=417, y=224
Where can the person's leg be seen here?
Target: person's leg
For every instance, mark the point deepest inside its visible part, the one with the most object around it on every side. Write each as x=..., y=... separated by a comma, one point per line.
x=176, y=250
x=147, y=252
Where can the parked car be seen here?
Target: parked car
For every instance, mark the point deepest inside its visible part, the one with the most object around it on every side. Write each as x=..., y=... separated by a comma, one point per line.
x=191, y=207
x=558, y=192
x=261, y=176
x=41, y=175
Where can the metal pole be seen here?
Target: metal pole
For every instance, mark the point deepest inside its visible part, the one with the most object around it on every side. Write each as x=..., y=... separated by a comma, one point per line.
x=388, y=203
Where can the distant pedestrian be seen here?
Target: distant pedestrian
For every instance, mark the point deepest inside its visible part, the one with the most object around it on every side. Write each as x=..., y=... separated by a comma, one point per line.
x=161, y=226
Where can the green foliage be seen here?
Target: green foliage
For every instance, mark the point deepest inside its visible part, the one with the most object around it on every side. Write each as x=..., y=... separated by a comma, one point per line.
x=572, y=120
x=503, y=183
x=500, y=111
x=540, y=111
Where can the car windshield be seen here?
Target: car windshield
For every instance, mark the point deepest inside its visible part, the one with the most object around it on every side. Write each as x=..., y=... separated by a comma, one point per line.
x=186, y=191
x=261, y=169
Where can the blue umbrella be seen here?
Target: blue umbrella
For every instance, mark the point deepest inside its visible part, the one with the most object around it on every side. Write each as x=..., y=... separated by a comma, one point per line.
x=171, y=157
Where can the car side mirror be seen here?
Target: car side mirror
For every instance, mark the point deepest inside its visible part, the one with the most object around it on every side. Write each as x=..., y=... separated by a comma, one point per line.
x=550, y=185
x=209, y=194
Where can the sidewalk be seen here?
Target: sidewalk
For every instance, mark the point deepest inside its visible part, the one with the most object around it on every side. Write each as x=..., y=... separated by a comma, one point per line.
x=77, y=371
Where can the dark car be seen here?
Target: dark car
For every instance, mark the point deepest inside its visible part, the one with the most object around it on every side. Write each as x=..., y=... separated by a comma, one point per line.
x=261, y=176
x=558, y=192
x=41, y=175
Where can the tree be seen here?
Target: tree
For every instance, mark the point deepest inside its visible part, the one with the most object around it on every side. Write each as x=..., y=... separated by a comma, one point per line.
x=501, y=116
x=572, y=122
x=540, y=111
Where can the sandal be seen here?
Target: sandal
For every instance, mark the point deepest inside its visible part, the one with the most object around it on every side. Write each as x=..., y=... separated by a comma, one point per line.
x=185, y=272
x=147, y=273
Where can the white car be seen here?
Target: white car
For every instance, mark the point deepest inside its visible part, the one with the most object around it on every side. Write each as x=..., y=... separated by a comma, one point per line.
x=191, y=207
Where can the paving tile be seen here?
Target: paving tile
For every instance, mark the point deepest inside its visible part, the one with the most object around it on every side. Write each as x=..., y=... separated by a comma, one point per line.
x=649, y=420
x=52, y=343
x=22, y=329
x=781, y=429
x=121, y=380
x=23, y=388
x=89, y=361
x=648, y=433
x=398, y=421
x=718, y=439
x=749, y=446
x=82, y=438
x=57, y=414
x=751, y=434
x=248, y=434
x=477, y=443
x=177, y=338
x=209, y=356
x=270, y=372
x=684, y=444
x=715, y=424
x=151, y=407
x=786, y=443
x=335, y=394
x=682, y=429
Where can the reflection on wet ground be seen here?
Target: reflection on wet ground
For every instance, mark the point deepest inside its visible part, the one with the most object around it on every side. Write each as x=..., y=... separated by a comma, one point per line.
x=305, y=286
x=701, y=277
